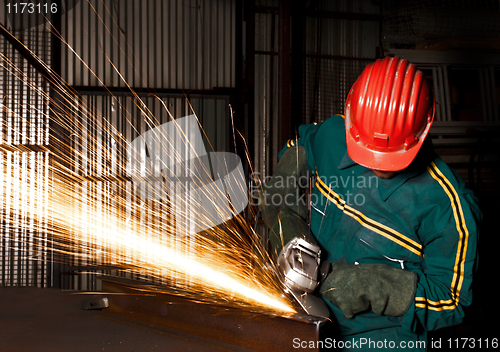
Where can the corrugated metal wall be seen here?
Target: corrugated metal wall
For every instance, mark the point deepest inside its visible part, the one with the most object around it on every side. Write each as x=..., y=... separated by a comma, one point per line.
x=24, y=113
x=153, y=44
x=149, y=44
x=178, y=44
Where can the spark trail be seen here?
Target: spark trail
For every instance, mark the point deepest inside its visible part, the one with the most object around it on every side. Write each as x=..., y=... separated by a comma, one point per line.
x=92, y=218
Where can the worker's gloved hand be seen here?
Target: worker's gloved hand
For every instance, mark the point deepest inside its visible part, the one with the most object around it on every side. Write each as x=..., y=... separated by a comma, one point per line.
x=356, y=288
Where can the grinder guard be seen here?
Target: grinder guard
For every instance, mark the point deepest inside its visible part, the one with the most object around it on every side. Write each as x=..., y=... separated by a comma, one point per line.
x=301, y=270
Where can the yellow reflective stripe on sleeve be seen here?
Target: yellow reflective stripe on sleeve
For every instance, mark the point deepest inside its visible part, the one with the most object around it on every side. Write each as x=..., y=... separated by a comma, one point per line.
x=463, y=232
x=422, y=302
x=290, y=143
x=365, y=221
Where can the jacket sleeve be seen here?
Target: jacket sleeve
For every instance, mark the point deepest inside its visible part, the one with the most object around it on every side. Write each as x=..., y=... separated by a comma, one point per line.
x=450, y=259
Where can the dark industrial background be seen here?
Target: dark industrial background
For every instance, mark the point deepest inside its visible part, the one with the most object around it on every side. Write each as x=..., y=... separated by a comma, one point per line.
x=279, y=64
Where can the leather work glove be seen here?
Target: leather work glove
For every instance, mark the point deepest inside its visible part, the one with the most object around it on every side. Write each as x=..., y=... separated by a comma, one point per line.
x=356, y=288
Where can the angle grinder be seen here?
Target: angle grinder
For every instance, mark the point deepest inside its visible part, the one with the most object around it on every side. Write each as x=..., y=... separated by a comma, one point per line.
x=301, y=270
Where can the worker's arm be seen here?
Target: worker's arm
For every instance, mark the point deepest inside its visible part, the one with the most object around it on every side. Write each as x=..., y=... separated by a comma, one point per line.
x=431, y=297
x=282, y=210
x=450, y=258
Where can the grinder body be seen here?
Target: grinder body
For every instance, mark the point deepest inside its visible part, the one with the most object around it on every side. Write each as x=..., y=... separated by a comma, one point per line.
x=301, y=270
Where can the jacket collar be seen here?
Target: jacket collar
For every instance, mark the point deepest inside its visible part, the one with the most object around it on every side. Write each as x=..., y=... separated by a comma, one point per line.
x=346, y=162
x=386, y=187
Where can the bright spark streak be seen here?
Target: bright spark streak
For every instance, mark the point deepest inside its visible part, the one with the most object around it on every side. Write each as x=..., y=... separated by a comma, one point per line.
x=221, y=263
x=162, y=256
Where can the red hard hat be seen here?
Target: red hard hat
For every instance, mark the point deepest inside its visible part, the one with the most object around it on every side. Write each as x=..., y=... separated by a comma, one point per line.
x=388, y=114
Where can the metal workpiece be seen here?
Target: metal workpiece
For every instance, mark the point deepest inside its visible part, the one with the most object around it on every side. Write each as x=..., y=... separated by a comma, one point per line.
x=228, y=328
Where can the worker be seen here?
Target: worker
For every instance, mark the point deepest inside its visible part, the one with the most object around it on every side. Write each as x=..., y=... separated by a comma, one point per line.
x=398, y=225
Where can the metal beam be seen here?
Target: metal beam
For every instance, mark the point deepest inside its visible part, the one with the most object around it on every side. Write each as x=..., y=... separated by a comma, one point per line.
x=284, y=74
x=238, y=328
x=355, y=16
x=449, y=57
x=25, y=53
x=297, y=68
x=144, y=91
x=248, y=77
x=59, y=141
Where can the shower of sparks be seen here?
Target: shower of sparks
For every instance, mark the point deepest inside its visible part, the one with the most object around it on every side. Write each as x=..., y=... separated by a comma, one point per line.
x=100, y=221
x=136, y=250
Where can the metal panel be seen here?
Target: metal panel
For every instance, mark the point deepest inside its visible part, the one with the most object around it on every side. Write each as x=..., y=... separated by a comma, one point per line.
x=180, y=44
x=24, y=117
x=23, y=250
x=193, y=49
x=23, y=126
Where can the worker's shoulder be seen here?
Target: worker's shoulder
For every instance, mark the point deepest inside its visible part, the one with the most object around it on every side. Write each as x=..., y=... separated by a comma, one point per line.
x=439, y=182
x=336, y=121
x=332, y=126
x=440, y=195
x=446, y=176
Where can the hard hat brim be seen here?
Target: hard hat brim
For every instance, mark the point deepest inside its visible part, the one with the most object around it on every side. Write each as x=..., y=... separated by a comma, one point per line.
x=379, y=160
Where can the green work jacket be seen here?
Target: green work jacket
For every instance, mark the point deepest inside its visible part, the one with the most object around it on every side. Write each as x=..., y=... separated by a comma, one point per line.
x=423, y=220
